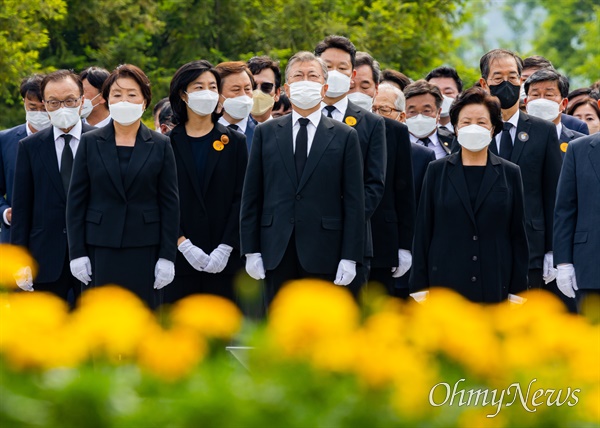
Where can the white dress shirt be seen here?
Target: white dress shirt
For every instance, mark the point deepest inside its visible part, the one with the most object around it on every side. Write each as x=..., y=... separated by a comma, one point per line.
x=242, y=124
x=100, y=124
x=513, y=131
x=340, y=109
x=559, y=129
x=435, y=144
x=59, y=141
x=311, y=127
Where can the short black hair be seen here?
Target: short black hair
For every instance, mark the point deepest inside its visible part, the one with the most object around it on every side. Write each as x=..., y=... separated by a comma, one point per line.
x=578, y=92
x=549, y=75
x=95, y=76
x=338, y=42
x=536, y=61
x=422, y=87
x=587, y=101
x=283, y=101
x=31, y=87
x=58, y=75
x=445, y=71
x=186, y=74
x=477, y=95
x=166, y=116
x=395, y=77
x=484, y=62
x=259, y=63
x=159, y=105
x=363, y=58
x=132, y=72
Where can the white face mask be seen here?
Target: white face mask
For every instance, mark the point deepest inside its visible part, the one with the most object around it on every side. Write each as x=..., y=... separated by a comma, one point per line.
x=446, y=104
x=338, y=84
x=202, y=103
x=543, y=108
x=362, y=100
x=126, y=113
x=38, y=119
x=64, y=117
x=88, y=107
x=238, y=107
x=305, y=94
x=421, y=126
x=474, y=137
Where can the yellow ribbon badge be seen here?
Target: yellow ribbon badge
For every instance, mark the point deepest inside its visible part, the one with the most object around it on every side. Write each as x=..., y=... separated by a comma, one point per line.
x=218, y=146
x=563, y=147
x=350, y=120
x=224, y=139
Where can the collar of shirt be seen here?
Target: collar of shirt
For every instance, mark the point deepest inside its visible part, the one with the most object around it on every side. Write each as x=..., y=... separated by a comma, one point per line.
x=59, y=141
x=559, y=128
x=100, y=124
x=340, y=109
x=433, y=138
x=514, y=120
x=242, y=124
x=311, y=128
x=28, y=129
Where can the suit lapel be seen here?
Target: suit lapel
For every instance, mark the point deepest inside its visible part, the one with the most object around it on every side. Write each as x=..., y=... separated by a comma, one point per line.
x=594, y=156
x=323, y=137
x=48, y=155
x=181, y=146
x=353, y=111
x=108, y=152
x=286, y=149
x=523, y=126
x=490, y=175
x=456, y=175
x=141, y=151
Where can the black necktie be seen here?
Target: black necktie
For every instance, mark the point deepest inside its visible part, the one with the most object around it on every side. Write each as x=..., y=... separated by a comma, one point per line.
x=426, y=141
x=301, y=152
x=234, y=127
x=330, y=110
x=66, y=162
x=506, y=143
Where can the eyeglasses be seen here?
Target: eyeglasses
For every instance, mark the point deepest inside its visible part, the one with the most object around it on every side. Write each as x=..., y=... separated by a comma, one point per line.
x=383, y=110
x=266, y=87
x=55, y=104
x=298, y=76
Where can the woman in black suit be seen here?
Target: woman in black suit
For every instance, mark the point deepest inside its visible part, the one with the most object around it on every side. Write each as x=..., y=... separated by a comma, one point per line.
x=211, y=164
x=123, y=206
x=470, y=229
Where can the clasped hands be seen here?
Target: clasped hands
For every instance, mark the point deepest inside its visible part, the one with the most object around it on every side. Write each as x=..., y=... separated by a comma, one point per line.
x=199, y=260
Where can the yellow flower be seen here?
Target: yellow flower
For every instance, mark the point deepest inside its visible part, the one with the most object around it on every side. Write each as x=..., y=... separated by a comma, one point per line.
x=13, y=258
x=210, y=315
x=350, y=120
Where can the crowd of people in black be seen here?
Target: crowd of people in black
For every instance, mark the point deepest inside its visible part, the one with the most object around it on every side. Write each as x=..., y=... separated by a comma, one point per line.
x=346, y=172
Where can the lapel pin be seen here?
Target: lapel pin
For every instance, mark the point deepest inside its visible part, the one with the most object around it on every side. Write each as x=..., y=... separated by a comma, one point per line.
x=350, y=120
x=563, y=147
x=218, y=146
x=523, y=136
x=224, y=139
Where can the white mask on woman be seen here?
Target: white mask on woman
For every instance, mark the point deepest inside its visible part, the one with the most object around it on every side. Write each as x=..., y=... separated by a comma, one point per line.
x=126, y=113
x=202, y=103
x=238, y=107
x=474, y=137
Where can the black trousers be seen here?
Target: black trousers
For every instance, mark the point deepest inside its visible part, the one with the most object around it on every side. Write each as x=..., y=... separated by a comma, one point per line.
x=383, y=276
x=220, y=284
x=288, y=270
x=67, y=287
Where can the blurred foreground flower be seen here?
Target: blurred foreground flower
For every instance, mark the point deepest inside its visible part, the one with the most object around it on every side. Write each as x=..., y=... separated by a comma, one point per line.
x=13, y=258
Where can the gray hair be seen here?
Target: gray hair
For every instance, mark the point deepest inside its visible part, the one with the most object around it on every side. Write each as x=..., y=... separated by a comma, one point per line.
x=305, y=56
x=400, y=100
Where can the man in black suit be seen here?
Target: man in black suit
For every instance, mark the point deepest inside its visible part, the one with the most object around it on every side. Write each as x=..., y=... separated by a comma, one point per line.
x=392, y=223
x=340, y=56
x=42, y=175
x=303, y=198
x=531, y=143
x=36, y=119
x=547, y=92
x=423, y=108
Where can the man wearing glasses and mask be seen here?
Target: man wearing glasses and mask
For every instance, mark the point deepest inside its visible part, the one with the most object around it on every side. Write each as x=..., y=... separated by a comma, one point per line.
x=268, y=87
x=42, y=175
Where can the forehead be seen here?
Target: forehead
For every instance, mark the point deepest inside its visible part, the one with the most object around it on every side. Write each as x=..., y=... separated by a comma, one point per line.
x=502, y=64
x=236, y=79
x=529, y=71
x=125, y=83
x=87, y=87
x=336, y=56
x=31, y=98
x=364, y=72
x=60, y=88
x=306, y=66
x=421, y=100
x=474, y=111
x=207, y=76
x=265, y=75
x=544, y=86
x=443, y=82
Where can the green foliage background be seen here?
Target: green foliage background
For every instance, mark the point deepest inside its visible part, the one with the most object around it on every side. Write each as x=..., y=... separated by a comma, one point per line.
x=412, y=36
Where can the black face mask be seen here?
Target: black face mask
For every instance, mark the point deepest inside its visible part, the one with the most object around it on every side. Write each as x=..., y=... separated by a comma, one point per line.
x=507, y=93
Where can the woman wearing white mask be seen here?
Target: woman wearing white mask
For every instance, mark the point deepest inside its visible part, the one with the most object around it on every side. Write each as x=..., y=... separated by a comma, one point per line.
x=123, y=207
x=211, y=163
x=470, y=229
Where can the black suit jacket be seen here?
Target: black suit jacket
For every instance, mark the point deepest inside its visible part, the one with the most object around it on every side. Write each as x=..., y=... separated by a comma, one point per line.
x=325, y=207
x=9, y=143
x=574, y=124
x=447, y=139
x=393, y=222
x=421, y=156
x=536, y=151
x=210, y=215
x=566, y=136
x=142, y=209
x=39, y=203
x=480, y=251
x=371, y=135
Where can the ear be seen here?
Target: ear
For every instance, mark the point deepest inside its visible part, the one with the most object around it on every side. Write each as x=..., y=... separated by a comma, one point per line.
x=81, y=105
x=563, y=105
x=324, y=90
x=437, y=117
x=353, y=74
x=525, y=100
x=483, y=84
x=277, y=94
x=402, y=117
x=286, y=89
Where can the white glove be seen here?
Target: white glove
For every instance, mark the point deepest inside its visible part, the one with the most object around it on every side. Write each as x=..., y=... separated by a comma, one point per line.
x=404, y=263
x=218, y=259
x=345, y=273
x=194, y=255
x=420, y=296
x=24, y=278
x=516, y=300
x=255, y=266
x=81, y=268
x=566, y=281
x=549, y=272
x=164, y=272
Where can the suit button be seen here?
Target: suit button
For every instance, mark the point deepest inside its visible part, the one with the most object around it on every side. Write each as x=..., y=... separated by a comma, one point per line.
x=292, y=220
x=474, y=258
x=475, y=237
x=64, y=230
x=298, y=197
x=473, y=279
